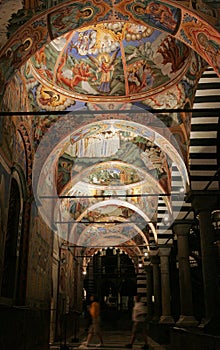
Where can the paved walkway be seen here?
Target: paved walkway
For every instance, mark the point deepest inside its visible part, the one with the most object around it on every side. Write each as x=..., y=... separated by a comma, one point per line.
x=116, y=335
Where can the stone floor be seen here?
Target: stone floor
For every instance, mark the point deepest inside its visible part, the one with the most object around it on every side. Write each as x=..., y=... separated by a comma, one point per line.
x=112, y=341
x=116, y=335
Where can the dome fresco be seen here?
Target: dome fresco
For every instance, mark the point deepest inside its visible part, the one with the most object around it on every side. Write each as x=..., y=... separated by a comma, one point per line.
x=110, y=60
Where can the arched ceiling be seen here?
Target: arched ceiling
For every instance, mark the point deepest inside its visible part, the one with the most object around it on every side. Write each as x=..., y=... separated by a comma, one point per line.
x=106, y=59
x=106, y=172
x=109, y=61
x=170, y=17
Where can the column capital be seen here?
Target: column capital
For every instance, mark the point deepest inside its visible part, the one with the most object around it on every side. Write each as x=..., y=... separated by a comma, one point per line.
x=203, y=200
x=154, y=252
x=164, y=251
x=184, y=222
x=154, y=257
x=182, y=227
x=148, y=266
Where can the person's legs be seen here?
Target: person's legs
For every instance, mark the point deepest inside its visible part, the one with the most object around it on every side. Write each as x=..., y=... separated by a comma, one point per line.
x=133, y=336
x=90, y=334
x=145, y=336
x=89, y=338
x=97, y=330
x=100, y=338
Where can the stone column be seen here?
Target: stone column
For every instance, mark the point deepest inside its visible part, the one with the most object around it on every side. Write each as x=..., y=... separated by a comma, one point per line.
x=149, y=279
x=155, y=261
x=181, y=229
x=204, y=202
x=166, y=317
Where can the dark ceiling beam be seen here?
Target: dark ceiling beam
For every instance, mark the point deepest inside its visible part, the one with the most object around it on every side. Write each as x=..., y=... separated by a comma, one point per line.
x=214, y=111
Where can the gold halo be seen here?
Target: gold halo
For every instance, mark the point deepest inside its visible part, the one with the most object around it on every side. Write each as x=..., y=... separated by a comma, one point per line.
x=26, y=40
x=87, y=9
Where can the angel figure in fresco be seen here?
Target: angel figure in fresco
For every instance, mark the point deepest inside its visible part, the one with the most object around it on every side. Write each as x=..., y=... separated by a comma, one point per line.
x=105, y=64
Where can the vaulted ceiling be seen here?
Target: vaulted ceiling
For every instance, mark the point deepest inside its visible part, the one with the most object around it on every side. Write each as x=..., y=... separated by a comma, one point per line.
x=110, y=87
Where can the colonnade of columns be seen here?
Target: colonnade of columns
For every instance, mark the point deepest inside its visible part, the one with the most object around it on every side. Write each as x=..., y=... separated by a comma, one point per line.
x=158, y=270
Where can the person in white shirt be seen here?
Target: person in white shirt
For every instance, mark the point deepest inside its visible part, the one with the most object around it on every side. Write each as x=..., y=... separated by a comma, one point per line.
x=139, y=314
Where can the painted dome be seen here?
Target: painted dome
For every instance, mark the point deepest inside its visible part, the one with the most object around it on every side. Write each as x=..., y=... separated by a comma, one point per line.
x=115, y=60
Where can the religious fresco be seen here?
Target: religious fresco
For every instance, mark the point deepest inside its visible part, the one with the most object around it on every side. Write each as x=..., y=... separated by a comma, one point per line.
x=4, y=201
x=39, y=253
x=71, y=17
x=110, y=59
x=20, y=153
x=157, y=14
x=81, y=194
x=206, y=10
x=95, y=235
x=65, y=165
x=7, y=137
x=16, y=96
x=140, y=62
x=49, y=100
x=202, y=38
x=111, y=173
x=38, y=96
x=114, y=174
x=21, y=47
x=33, y=8
x=120, y=145
x=110, y=211
x=47, y=180
x=82, y=132
x=37, y=32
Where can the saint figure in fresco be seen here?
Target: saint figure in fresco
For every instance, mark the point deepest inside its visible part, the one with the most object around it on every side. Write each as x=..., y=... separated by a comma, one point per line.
x=159, y=15
x=106, y=69
x=211, y=50
x=105, y=64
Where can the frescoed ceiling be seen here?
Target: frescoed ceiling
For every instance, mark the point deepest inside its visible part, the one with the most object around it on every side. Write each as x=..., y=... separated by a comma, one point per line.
x=106, y=63
x=110, y=60
x=106, y=172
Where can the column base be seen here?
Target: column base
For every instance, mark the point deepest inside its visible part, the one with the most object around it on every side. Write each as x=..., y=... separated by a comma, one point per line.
x=166, y=320
x=203, y=323
x=187, y=321
x=210, y=326
x=155, y=319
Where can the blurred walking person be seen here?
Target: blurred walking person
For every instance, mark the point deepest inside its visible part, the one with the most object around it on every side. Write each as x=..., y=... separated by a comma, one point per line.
x=139, y=315
x=95, y=328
